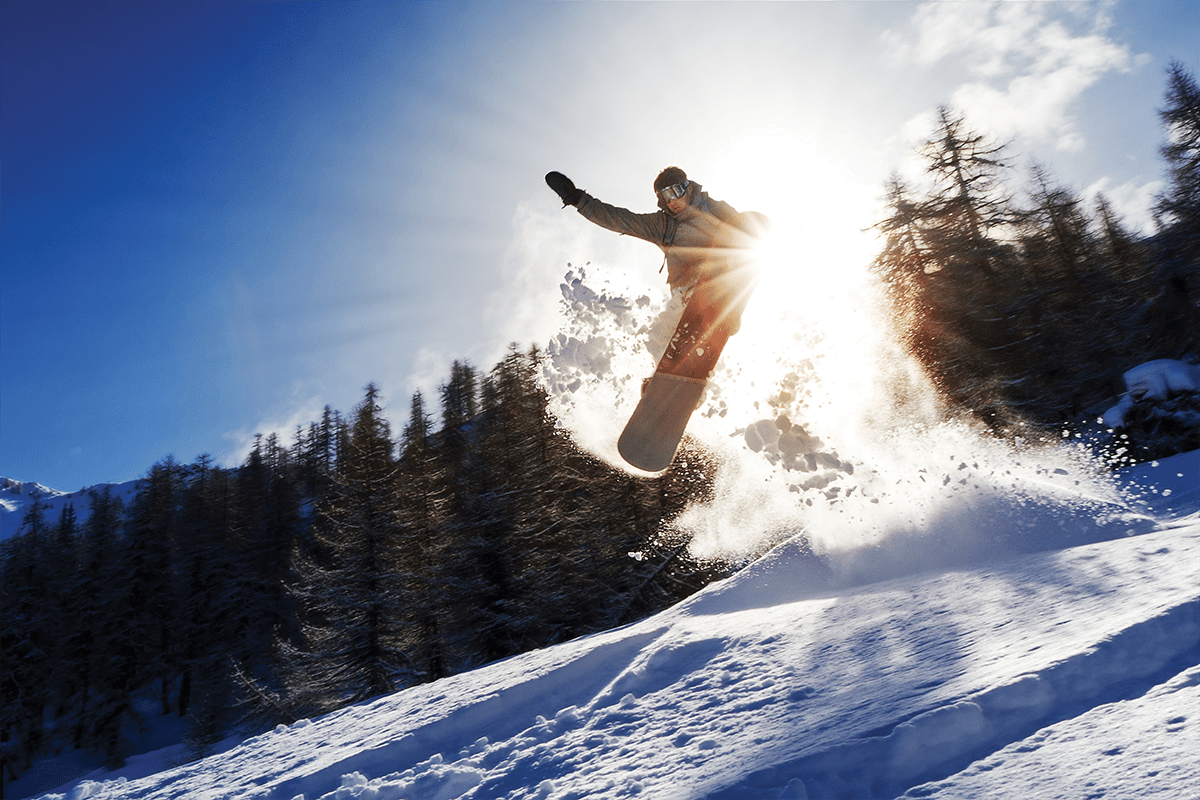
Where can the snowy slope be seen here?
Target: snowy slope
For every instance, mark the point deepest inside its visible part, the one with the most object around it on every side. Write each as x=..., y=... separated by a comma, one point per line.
x=17, y=496
x=1061, y=673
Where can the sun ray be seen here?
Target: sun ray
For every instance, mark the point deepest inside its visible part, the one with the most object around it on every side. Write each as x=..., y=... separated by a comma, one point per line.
x=812, y=308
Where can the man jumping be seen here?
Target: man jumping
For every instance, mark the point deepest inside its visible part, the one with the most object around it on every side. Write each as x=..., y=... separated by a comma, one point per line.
x=707, y=246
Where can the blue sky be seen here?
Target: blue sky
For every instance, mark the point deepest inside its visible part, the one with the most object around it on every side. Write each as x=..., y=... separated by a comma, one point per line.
x=219, y=217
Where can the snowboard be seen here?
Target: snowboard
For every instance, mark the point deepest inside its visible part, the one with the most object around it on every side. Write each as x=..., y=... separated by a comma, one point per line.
x=712, y=314
x=653, y=433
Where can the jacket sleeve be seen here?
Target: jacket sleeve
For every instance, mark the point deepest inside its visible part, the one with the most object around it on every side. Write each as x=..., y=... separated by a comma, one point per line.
x=650, y=227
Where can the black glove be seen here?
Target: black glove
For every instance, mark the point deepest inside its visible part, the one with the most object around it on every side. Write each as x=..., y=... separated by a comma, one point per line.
x=564, y=187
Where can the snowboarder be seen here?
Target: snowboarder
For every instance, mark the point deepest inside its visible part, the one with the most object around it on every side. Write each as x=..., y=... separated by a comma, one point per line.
x=707, y=246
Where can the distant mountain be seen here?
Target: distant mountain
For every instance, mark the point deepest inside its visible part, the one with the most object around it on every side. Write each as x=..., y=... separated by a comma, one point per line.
x=17, y=496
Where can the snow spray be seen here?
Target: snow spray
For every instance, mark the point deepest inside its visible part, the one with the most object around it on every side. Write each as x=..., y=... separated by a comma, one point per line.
x=824, y=428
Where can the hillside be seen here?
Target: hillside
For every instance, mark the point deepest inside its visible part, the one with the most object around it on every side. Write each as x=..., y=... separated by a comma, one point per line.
x=1071, y=670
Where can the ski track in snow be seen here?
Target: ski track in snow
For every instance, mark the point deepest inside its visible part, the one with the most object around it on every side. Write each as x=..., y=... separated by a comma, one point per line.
x=1132, y=748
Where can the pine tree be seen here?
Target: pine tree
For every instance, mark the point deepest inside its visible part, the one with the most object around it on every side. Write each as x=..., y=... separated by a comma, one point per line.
x=1059, y=248
x=967, y=204
x=150, y=601
x=906, y=262
x=130, y=633
x=91, y=601
x=62, y=565
x=107, y=665
x=460, y=404
x=206, y=622
x=1179, y=207
x=950, y=271
x=25, y=688
x=349, y=589
x=420, y=501
x=266, y=526
x=1176, y=311
x=314, y=455
x=1058, y=306
x=471, y=587
x=522, y=545
x=1125, y=254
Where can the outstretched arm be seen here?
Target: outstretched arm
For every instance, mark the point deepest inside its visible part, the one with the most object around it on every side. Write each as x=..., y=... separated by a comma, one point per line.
x=650, y=227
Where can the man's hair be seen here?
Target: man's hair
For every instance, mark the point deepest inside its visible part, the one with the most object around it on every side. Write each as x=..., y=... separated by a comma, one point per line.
x=669, y=177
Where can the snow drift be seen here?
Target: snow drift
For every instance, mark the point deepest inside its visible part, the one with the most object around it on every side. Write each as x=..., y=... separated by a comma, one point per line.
x=1157, y=380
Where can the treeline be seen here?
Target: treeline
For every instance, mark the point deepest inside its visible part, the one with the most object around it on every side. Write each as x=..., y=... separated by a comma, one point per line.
x=344, y=566
x=1019, y=309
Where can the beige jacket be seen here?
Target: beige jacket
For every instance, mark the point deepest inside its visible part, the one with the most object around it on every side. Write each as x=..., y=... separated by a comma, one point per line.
x=706, y=239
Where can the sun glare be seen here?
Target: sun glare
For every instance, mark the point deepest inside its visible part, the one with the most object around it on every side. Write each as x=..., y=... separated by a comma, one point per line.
x=813, y=264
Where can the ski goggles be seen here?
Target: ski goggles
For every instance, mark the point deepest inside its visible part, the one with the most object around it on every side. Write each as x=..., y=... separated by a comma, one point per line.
x=674, y=191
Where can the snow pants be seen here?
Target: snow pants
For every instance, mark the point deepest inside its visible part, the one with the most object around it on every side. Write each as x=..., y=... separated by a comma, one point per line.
x=713, y=313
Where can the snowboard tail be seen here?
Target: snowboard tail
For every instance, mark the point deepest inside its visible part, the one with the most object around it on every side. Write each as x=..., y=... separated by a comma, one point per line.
x=653, y=433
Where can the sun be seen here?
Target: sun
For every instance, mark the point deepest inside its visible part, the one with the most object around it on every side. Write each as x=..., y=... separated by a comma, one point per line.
x=818, y=205
x=814, y=263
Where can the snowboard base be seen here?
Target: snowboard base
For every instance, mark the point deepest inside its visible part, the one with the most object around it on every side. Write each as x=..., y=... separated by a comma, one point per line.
x=654, y=431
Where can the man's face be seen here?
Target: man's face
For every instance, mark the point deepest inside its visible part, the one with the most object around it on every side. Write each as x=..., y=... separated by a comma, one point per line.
x=677, y=197
x=679, y=203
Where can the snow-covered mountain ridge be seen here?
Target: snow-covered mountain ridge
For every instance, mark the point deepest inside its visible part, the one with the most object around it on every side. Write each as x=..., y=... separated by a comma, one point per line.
x=17, y=496
x=11, y=489
x=1066, y=672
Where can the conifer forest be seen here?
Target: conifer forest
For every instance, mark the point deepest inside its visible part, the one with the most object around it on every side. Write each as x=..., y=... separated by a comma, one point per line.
x=1017, y=296
x=346, y=564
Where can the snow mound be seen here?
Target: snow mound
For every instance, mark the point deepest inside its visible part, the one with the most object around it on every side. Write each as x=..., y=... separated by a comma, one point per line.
x=1137, y=747
x=1156, y=380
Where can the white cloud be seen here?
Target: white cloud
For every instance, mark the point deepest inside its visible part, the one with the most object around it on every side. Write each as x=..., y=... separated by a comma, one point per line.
x=429, y=369
x=301, y=413
x=1133, y=202
x=526, y=307
x=1026, y=63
